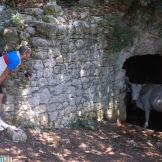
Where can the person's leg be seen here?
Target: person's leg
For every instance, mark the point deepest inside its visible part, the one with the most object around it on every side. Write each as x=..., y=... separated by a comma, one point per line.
x=1, y=97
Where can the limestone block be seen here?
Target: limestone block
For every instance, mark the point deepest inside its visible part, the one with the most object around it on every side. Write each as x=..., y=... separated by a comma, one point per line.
x=40, y=42
x=58, y=99
x=65, y=104
x=35, y=100
x=2, y=8
x=30, y=30
x=33, y=83
x=41, y=53
x=84, y=14
x=34, y=11
x=59, y=89
x=71, y=28
x=2, y=44
x=145, y=3
x=40, y=74
x=46, y=29
x=50, y=19
x=24, y=36
x=48, y=72
x=52, y=9
x=62, y=32
x=45, y=96
x=43, y=119
x=11, y=37
x=53, y=115
x=8, y=107
x=57, y=70
x=55, y=52
x=59, y=59
x=28, y=18
x=1, y=30
x=67, y=110
x=49, y=63
x=97, y=18
x=42, y=81
x=38, y=64
x=71, y=90
x=40, y=108
x=53, y=107
x=94, y=29
x=79, y=43
x=17, y=135
x=78, y=26
x=89, y=2
x=61, y=19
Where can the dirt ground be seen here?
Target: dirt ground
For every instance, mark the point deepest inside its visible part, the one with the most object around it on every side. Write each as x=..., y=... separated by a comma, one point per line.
x=109, y=143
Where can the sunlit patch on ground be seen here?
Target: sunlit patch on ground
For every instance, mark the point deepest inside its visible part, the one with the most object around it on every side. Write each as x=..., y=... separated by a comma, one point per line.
x=109, y=143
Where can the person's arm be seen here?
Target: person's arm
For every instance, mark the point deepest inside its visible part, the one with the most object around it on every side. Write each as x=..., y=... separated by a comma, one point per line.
x=22, y=66
x=4, y=75
x=25, y=72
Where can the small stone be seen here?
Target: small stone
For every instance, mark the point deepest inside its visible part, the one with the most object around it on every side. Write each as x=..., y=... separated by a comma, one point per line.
x=2, y=8
x=30, y=30
x=132, y=142
x=84, y=14
x=45, y=96
x=66, y=141
x=159, y=145
x=17, y=135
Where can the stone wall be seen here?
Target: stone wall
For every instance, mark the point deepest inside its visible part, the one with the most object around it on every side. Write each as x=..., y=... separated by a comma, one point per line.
x=74, y=73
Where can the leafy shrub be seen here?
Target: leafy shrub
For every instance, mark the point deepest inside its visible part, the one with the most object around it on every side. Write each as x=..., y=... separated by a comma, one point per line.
x=11, y=3
x=121, y=37
x=57, y=1
x=18, y=20
x=145, y=2
x=143, y=18
x=88, y=122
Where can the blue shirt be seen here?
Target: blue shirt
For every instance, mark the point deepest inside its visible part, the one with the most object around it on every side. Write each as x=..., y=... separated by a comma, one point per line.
x=14, y=60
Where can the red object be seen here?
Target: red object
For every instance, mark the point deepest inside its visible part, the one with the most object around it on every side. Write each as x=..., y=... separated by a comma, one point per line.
x=5, y=59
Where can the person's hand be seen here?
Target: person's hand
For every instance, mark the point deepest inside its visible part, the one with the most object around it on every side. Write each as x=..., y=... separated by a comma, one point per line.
x=27, y=74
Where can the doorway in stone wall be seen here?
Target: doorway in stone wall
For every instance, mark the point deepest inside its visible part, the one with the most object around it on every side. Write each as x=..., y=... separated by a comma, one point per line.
x=143, y=69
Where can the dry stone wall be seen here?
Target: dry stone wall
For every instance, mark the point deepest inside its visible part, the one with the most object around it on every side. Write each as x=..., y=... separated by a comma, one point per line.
x=73, y=71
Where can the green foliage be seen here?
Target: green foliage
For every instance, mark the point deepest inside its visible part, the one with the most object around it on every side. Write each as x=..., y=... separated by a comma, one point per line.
x=160, y=31
x=75, y=124
x=88, y=122
x=128, y=2
x=67, y=2
x=145, y=2
x=84, y=124
x=11, y=3
x=112, y=1
x=71, y=1
x=157, y=27
x=56, y=1
x=121, y=37
x=143, y=18
x=18, y=20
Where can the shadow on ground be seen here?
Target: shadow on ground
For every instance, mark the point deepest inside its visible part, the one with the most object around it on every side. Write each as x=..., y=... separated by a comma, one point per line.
x=109, y=143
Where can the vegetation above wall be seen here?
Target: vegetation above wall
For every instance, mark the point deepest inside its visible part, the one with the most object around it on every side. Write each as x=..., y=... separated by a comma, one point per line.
x=126, y=18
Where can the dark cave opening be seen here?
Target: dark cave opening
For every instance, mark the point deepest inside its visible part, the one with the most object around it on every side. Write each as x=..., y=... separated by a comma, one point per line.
x=143, y=69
